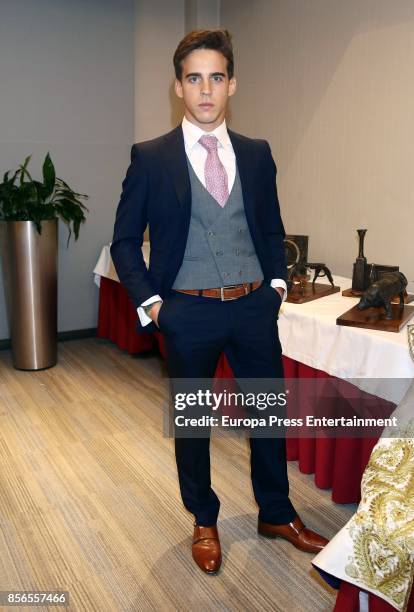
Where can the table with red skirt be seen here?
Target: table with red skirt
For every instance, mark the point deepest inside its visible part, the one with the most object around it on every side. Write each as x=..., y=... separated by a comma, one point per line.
x=337, y=463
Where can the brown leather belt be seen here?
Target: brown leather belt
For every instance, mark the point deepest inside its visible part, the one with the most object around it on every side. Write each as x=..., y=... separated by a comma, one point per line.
x=230, y=292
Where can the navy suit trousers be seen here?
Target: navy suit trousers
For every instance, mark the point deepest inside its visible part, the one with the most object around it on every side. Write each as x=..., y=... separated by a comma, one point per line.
x=197, y=329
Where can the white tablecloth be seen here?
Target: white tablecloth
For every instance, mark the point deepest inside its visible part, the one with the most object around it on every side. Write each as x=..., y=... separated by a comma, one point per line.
x=376, y=362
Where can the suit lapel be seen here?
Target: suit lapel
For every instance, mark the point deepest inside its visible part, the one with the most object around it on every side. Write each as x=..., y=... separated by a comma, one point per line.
x=176, y=163
x=244, y=165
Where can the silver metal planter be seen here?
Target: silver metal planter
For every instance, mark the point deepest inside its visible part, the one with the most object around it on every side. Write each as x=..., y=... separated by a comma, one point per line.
x=30, y=266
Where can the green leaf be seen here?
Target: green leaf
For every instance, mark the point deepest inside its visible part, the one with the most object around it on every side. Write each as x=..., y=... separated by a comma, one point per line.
x=49, y=176
x=23, y=170
x=26, y=161
x=61, y=182
x=61, y=196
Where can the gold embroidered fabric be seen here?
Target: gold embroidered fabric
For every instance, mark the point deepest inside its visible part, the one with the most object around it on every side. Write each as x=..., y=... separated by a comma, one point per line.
x=375, y=549
x=410, y=332
x=382, y=530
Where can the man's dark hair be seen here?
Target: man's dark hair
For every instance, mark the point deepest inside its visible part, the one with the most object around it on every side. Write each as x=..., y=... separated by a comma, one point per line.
x=219, y=40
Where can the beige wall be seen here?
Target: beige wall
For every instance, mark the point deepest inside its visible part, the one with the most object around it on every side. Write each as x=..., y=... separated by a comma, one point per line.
x=202, y=14
x=329, y=83
x=66, y=74
x=159, y=25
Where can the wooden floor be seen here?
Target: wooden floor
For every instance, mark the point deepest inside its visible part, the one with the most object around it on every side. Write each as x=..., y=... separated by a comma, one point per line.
x=89, y=499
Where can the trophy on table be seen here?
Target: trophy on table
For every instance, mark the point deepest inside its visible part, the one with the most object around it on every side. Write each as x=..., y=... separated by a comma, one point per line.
x=364, y=274
x=360, y=265
x=382, y=292
x=300, y=290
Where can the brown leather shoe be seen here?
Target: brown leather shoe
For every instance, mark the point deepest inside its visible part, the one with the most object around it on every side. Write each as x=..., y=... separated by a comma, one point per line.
x=206, y=548
x=296, y=533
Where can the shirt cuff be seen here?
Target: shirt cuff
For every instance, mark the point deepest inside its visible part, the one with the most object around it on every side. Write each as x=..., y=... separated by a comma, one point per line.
x=143, y=317
x=279, y=282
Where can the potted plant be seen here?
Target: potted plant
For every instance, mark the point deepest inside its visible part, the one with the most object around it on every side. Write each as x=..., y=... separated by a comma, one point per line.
x=29, y=214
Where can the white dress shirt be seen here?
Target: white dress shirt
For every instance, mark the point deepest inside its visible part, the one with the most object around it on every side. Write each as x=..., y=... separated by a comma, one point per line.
x=197, y=156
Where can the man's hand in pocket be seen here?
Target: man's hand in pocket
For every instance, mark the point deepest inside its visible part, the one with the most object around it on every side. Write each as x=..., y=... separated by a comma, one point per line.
x=153, y=313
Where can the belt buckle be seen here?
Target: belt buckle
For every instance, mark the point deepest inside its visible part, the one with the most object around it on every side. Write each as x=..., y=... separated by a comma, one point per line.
x=226, y=299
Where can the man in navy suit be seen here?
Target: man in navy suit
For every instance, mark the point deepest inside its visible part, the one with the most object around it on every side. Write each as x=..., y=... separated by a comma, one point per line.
x=216, y=277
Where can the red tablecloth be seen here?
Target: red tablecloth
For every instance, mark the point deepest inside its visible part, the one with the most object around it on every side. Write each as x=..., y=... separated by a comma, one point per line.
x=348, y=601
x=338, y=463
x=117, y=319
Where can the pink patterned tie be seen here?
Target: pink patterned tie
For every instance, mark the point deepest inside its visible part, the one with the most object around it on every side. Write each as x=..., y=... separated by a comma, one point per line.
x=214, y=171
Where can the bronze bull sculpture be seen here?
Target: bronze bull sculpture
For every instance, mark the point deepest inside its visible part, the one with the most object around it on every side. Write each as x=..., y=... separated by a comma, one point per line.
x=382, y=292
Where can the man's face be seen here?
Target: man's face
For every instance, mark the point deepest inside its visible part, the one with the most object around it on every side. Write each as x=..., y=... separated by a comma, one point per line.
x=205, y=88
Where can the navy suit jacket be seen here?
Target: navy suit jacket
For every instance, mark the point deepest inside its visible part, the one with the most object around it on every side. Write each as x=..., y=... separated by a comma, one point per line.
x=157, y=192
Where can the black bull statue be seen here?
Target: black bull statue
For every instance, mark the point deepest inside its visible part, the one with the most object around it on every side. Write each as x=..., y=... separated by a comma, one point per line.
x=382, y=291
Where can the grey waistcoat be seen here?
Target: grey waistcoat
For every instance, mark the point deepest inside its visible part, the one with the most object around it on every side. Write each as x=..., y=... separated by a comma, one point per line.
x=219, y=248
